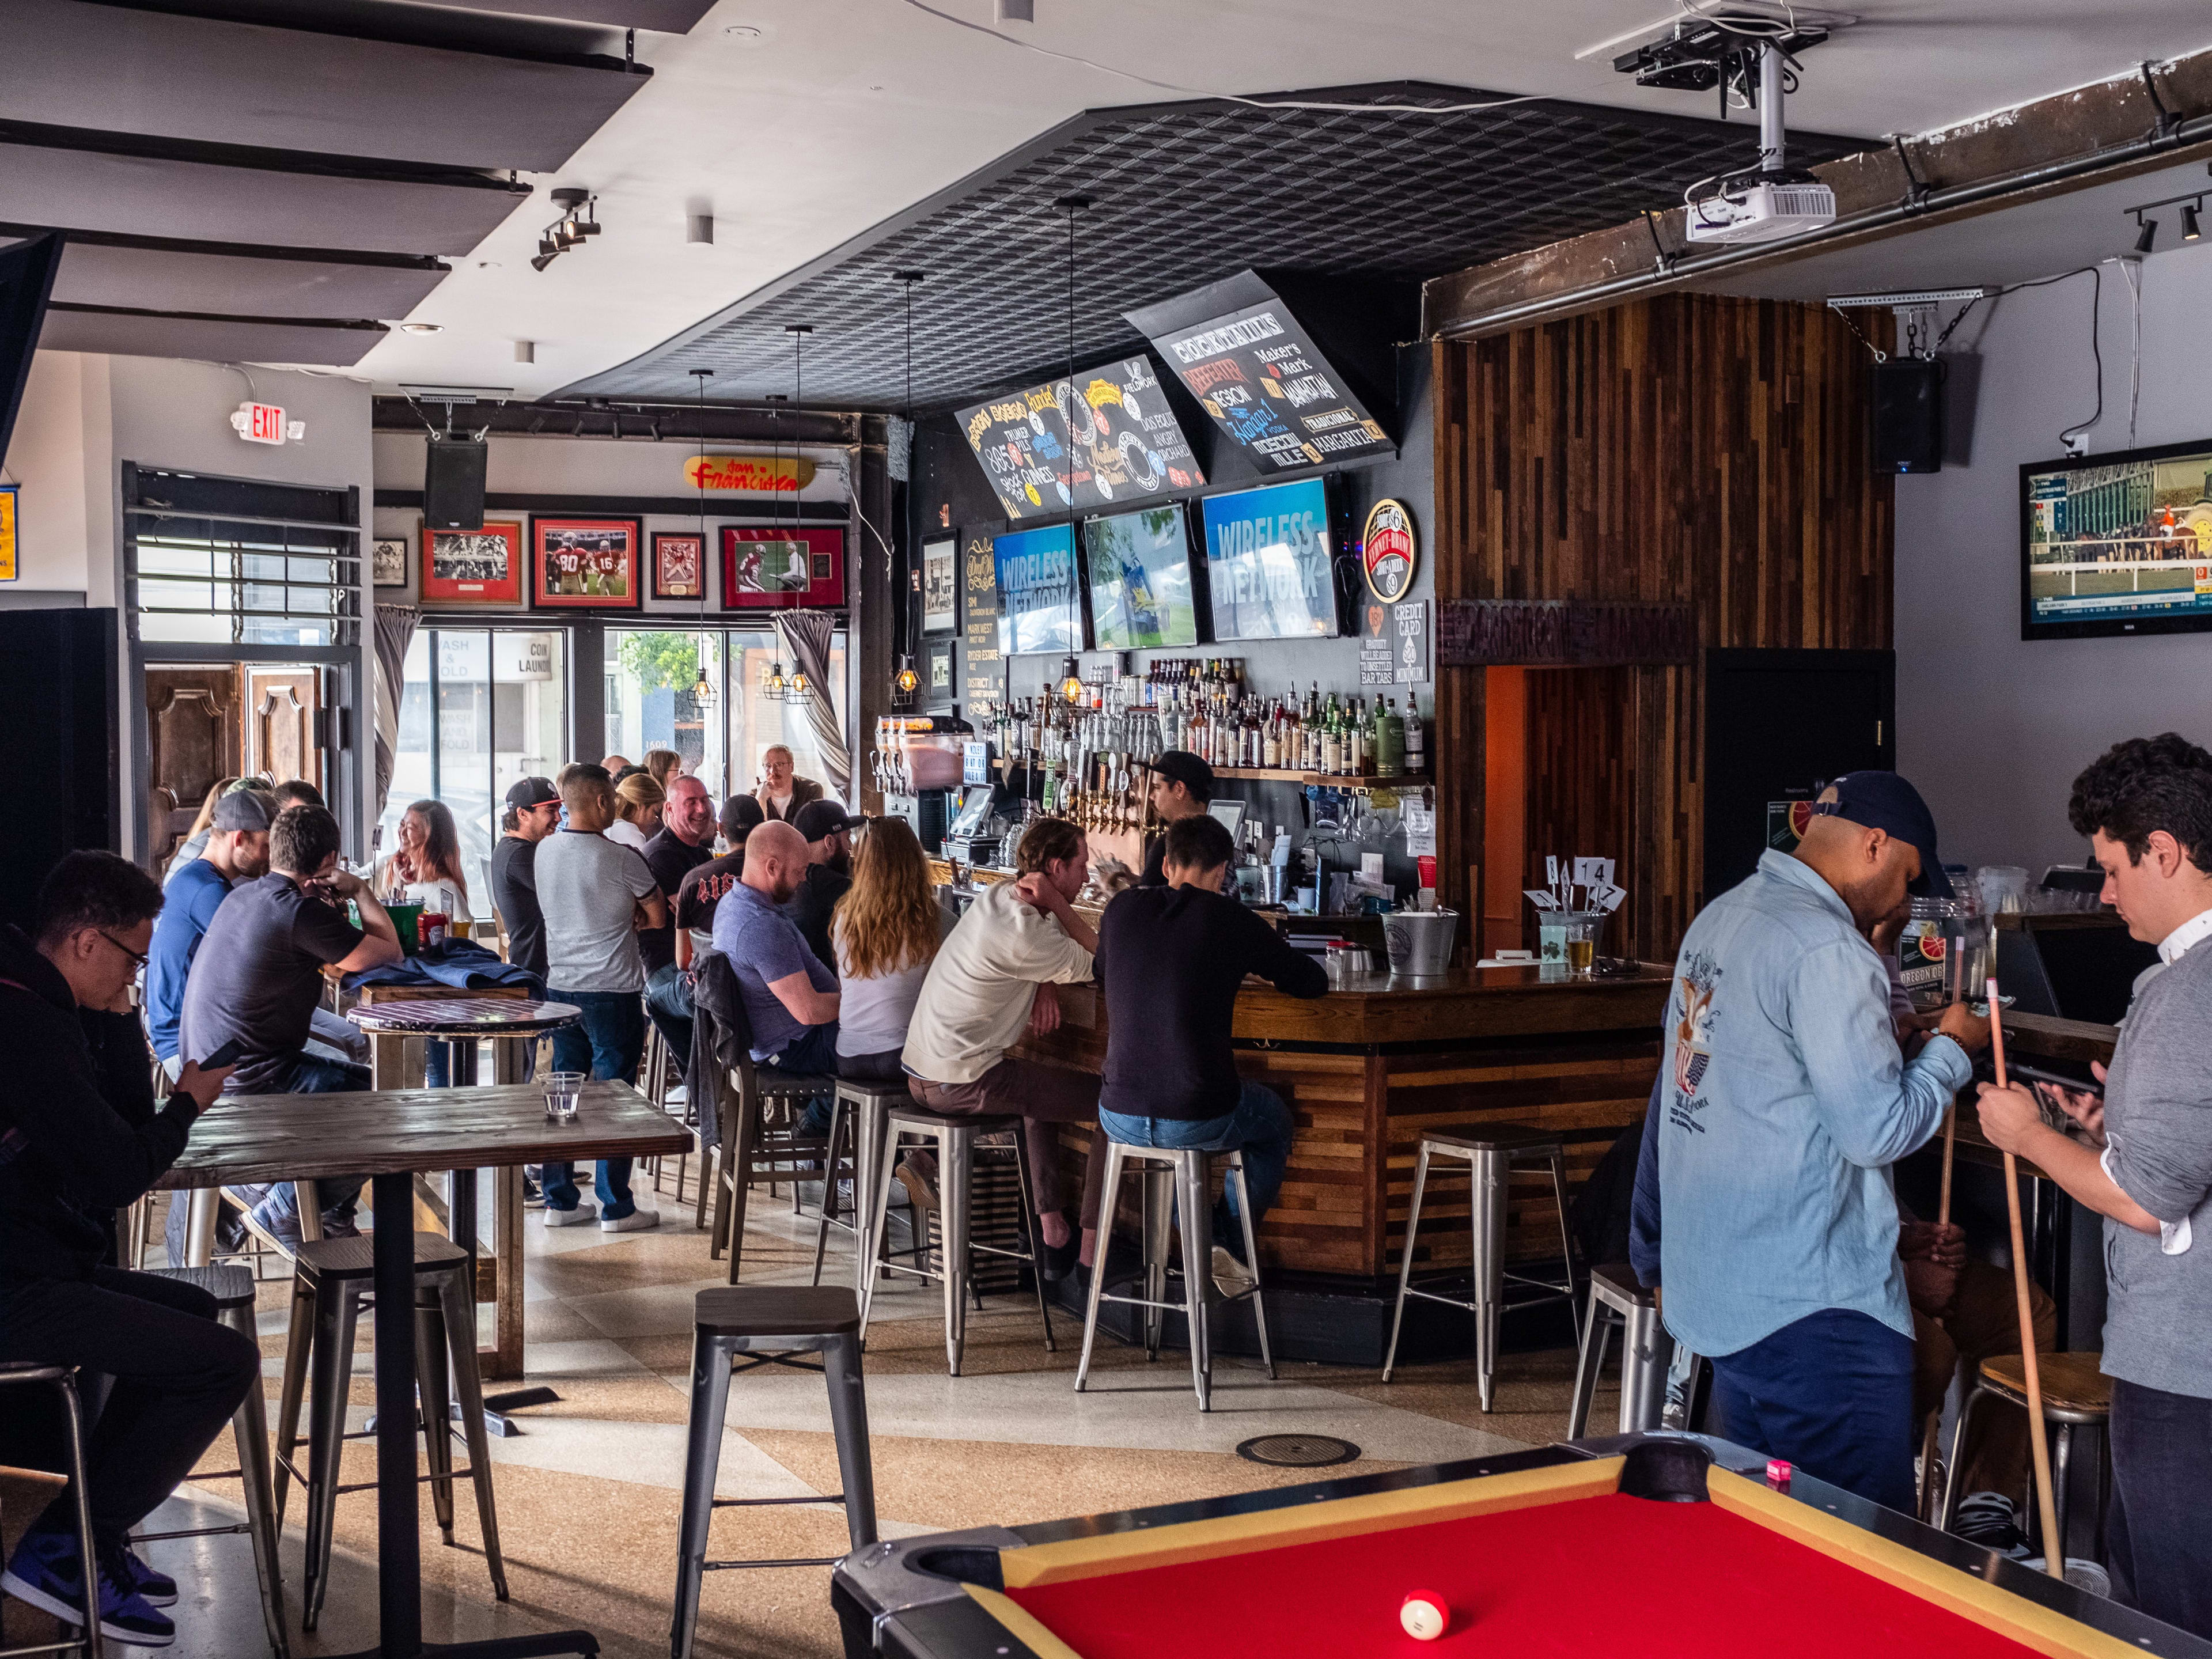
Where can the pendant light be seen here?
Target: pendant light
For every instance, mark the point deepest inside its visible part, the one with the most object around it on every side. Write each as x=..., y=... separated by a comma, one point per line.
x=1071, y=684
x=794, y=689
x=702, y=689
x=905, y=682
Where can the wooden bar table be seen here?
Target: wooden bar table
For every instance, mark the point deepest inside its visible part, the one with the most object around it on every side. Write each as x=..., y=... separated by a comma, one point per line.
x=390, y=1136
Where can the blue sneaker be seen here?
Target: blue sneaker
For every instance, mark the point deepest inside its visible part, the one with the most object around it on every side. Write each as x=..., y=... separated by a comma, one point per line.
x=45, y=1571
x=156, y=1587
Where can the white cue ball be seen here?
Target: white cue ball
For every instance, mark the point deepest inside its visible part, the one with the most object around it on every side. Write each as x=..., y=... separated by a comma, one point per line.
x=1424, y=1616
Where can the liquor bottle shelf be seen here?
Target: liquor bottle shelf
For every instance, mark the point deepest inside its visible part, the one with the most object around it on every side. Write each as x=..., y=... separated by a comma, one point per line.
x=1325, y=780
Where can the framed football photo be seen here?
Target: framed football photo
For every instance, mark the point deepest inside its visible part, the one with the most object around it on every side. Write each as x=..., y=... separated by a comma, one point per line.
x=473, y=566
x=679, y=565
x=776, y=568
x=586, y=563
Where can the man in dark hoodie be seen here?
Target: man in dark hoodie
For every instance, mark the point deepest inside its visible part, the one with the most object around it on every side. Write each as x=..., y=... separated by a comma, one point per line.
x=66, y=1158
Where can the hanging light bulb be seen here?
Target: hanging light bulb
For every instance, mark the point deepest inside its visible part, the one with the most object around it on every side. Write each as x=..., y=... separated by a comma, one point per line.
x=907, y=681
x=796, y=691
x=773, y=686
x=702, y=689
x=1071, y=684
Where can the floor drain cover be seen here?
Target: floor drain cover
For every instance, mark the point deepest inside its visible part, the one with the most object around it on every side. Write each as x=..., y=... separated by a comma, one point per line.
x=1298, y=1451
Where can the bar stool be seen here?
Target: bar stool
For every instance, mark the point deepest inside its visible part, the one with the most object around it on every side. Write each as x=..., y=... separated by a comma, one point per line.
x=770, y=1323
x=233, y=1288
x=2076, y=1394
x=1177, y=1185
x=332, y=1288
x=857, y=1117
x=1492, y=1150
x=954, y=1135
x=17, y=1373
x=1616, y=1300
x=751, y=1143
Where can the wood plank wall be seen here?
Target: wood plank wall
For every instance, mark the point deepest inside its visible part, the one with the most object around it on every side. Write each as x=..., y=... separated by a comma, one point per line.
x=1689, y=447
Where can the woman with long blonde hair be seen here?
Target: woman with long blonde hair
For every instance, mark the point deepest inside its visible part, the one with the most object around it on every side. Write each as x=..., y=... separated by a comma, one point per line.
x=885, y=930
x=638, y=801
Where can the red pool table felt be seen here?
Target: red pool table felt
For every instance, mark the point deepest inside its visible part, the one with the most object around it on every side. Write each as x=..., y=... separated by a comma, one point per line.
x=1601, y=1576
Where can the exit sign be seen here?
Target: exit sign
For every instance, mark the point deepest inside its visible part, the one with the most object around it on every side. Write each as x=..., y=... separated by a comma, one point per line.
x=265, y=423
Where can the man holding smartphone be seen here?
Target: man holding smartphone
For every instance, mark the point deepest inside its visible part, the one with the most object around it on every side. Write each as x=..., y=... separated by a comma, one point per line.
x=2144, y=1162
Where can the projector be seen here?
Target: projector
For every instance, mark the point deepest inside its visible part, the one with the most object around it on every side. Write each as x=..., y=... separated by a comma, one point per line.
x=1755, y=208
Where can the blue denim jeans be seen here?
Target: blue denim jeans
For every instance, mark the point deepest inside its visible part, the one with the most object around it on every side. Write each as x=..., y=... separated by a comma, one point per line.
x=814, y=1051
x=668, y=1000
x=1261, y=1127
x=607, y=1043
x=307, y=1074
x=1831, y=1392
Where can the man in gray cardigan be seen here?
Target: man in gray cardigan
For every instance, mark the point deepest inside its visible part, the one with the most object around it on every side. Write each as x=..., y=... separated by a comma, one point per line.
x=2145, y=1164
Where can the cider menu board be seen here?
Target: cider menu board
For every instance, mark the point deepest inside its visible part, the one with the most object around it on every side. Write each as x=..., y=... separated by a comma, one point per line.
x=1126, y=442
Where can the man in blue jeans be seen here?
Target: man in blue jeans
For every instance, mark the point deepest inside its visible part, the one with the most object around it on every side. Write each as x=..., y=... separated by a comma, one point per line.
x=595, y=894
x=1171, y=959
x=1784, y=1100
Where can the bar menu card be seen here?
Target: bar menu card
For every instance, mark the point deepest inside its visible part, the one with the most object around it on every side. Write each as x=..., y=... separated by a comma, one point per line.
x=1126, y=442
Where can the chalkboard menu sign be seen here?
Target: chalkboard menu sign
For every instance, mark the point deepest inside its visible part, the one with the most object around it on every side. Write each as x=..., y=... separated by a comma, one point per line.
x=1039, y=605
x=1257, y=372
x=1126, y=442
x=984, y=677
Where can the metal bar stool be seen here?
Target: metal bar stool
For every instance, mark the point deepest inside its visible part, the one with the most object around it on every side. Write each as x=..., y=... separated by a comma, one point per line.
x=62, y=1379
x=856, y=1129
x=1646, y=1351
x=233, y=1288
x=1490, y=1151
x=955, y=1137
x=2076, y=1394
x=1177, y=1187
x=751, y=1144
x=770, y=1323
x=332, y=1288
x=658, y=1073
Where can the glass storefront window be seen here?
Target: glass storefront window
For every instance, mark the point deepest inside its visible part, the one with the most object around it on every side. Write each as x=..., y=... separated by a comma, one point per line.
x=650, y=705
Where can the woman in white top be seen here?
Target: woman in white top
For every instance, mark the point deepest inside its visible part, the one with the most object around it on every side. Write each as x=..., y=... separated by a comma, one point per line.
x=885, y=930
x=638, y=801
x=426, y=868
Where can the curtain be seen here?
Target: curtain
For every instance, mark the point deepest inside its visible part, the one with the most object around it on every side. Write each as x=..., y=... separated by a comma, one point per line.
x=806, y=635
x=395, y=627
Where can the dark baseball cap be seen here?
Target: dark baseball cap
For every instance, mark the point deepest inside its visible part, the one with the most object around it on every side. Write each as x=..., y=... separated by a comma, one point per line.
x=526, y=793
x=741, y=815
x=244, y=809
x=819, y=819
x=1883, y=800
x=1181, y=766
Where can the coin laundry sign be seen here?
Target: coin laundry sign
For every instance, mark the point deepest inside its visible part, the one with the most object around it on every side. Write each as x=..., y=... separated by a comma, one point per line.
x=753, y=474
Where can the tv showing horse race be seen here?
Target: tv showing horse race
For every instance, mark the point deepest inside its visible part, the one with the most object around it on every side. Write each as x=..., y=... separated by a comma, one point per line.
x=2118, y=544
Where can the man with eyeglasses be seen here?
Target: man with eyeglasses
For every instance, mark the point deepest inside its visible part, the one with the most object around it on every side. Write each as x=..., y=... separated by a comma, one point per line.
x=66, y=1157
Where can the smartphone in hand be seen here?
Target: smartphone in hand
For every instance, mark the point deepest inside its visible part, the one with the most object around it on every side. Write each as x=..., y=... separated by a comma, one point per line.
x=226, y=1055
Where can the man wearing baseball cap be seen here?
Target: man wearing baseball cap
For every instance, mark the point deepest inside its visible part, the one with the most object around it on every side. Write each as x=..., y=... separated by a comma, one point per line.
x=1783, y=1101
x=237, y=850
x=827, y=829
x=1181, y=787
x=533, y=812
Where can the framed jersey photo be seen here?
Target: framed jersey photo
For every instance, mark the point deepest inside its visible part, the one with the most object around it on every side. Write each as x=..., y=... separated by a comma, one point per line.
x=586, y=563
x=771, y=570
x=473, y=566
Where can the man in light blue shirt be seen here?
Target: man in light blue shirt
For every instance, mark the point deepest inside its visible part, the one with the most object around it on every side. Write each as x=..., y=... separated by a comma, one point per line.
x=1785, y=1101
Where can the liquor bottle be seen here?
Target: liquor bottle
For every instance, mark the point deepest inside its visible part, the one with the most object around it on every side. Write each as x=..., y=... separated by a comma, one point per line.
x=1331, y=739
x=1417, y=759
x=1357, y=733
x=1390, y=741
x=1271, y=742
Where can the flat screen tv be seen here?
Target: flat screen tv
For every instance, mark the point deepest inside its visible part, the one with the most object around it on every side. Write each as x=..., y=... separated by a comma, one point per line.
x=1268, y=562
x=1040, y=602
x=2116, y=543
x=1138, y=567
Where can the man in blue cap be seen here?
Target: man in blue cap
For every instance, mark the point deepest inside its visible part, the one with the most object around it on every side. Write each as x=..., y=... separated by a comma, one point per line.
x=1783, y=1101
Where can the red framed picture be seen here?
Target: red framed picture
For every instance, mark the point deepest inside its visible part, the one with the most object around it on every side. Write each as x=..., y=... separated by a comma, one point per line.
x=473, y=566
x=586, y=563
x=763, y=569
x=679, y=565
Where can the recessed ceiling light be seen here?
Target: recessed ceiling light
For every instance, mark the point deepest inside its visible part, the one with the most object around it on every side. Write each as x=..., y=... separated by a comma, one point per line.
x=875, y=88
x=422, y=328
x=487, y=264
x=743, y=31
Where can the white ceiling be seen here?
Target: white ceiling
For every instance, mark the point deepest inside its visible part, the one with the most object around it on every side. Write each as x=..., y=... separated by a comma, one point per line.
x=837, y=113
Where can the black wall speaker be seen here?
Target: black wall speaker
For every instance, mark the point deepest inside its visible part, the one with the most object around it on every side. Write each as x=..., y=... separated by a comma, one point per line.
x=1906, y=412
x=57, y=682
x=453, y=484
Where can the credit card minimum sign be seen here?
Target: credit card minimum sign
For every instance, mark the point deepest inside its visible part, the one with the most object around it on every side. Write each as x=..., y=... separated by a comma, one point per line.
x=1259, y=377
x=1107, y=436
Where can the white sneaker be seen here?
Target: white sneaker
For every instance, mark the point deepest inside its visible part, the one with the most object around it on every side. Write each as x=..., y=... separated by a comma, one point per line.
x=1231, y=1277
x=584, y=1214
x=635, y=1222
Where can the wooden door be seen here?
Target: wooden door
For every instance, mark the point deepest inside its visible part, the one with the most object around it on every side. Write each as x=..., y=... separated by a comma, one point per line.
x=281, y=706
x=194, y=731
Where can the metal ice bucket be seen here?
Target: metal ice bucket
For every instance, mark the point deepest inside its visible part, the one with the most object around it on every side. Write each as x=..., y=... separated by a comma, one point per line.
x=1420, y=941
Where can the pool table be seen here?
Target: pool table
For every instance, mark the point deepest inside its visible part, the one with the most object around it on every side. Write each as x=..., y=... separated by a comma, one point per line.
x=1655, y=1545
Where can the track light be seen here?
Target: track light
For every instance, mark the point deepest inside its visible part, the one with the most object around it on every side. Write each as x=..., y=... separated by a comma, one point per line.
x=570, y=229
x=2189, y=231
x=543, y=260
x=2146, y=236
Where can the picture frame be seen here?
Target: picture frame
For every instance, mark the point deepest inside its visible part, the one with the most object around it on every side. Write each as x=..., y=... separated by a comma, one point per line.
x=937, y=687
x=779, y=569
x=585, y=565
x=388, y=561
x=940, y=585
x=463, y=568
x=679, y=565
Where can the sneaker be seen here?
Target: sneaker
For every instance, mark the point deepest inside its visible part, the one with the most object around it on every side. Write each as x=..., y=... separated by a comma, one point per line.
x=159, y=1590
x=1231, y=1277
x=46, y=1572
x=917, y=1173
x=1988, y=1518
x=282, y=1225
x=583, y=1215
x=635, y=1222
x=534, y=1195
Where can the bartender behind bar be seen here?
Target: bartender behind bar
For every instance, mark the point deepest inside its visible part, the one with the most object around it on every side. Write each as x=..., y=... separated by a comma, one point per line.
x=1182, y=787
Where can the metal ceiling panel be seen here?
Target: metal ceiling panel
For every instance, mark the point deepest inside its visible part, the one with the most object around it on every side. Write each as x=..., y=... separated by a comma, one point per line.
x=213, y=81
x=240, y=284
x=221, y=202
x=1184, y=194
x=662, y=16
x=218, y=339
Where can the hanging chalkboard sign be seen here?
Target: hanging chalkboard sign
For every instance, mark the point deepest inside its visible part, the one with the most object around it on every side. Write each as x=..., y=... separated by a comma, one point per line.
x=1125, y=443
x=984, y=675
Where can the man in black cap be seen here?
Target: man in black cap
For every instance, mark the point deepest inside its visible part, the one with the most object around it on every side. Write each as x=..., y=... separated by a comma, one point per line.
x=1182, y=787
x=533, y=812
x=1783, y=1101
x=827, y=829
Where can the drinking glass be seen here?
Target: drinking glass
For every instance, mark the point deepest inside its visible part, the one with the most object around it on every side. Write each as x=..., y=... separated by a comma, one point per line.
x=562, y=1090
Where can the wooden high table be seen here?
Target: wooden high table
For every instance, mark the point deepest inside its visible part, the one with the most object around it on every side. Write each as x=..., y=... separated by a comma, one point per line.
x=393, y=1135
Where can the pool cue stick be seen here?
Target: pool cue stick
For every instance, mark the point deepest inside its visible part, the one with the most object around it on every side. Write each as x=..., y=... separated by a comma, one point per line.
x=1951, y=1112
x=2054, y=1546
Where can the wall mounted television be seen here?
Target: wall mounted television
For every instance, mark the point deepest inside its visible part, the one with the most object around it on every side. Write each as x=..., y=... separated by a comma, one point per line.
x=1269, y=564
x=1040, y=598
x=1138, y=567
x=2118, y=544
